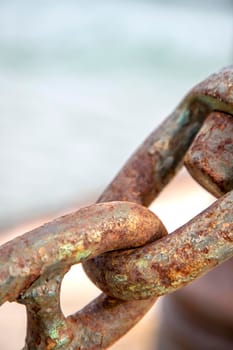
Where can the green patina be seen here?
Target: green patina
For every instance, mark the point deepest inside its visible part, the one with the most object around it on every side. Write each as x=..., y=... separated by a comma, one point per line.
x=183, y=118
x=68, y=250
x=54, y=333
x=83, y=255
x=54, y=330
x=120, y=278
x=142, y=264
x=65, y=251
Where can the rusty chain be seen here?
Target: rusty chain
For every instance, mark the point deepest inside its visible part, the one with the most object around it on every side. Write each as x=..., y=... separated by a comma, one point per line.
x=123, y=246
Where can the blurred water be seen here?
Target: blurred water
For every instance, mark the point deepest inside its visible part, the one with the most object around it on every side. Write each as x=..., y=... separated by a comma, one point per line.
x=83, y=82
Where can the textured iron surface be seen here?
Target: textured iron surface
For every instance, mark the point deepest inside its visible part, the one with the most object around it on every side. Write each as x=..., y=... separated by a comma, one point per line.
x=161, y=267
x=72, y=239
x=161, y=155
x=33, y=265
x=44, y=255
x=210, y=157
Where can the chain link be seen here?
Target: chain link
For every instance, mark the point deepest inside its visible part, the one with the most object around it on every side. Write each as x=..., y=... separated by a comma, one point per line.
x=124, y=247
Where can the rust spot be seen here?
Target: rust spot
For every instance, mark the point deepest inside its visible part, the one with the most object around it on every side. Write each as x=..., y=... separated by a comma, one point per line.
x=50, y=344
x=209, y=159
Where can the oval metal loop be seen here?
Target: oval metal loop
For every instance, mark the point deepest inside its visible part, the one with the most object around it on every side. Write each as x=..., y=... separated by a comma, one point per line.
x=72, y=239
x=33, y=265
x=162, y=267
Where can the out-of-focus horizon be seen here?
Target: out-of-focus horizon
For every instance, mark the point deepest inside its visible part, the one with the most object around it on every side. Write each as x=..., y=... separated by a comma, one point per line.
x=82, y=83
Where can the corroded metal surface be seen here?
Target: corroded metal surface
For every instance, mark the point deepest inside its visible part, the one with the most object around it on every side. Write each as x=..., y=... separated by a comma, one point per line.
x=72, y=239
x=44, y=255
x=32, y=266
x=161, y=155
x=210, y=157
x=170, y=263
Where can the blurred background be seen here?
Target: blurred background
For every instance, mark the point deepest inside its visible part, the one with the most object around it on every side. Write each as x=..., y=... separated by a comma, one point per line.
x=82, y=83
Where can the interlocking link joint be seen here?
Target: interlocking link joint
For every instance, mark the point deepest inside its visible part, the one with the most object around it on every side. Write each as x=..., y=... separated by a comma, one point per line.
x=161, y=267
x=33, y=265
